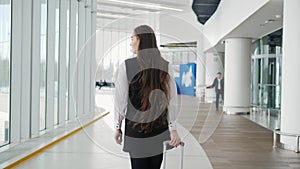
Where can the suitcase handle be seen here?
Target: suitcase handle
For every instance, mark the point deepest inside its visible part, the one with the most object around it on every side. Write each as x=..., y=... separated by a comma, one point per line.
x=167, y=146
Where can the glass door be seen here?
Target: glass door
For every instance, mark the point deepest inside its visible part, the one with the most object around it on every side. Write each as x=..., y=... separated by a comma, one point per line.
x=266, y=82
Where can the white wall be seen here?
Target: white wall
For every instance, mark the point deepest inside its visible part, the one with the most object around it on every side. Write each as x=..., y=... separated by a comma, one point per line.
x=229, y=15
x=184, y=27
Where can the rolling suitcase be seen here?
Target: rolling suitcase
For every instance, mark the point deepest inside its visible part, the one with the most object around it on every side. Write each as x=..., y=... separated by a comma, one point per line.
x=167, y=146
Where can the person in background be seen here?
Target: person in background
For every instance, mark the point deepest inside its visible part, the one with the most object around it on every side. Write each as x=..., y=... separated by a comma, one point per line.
x=218, y=84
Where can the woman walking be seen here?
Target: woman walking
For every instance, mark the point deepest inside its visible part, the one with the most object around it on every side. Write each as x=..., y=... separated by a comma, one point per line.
x=146, y=97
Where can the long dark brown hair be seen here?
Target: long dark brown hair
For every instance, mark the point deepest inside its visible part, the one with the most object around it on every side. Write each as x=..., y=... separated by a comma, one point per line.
x=153, y=78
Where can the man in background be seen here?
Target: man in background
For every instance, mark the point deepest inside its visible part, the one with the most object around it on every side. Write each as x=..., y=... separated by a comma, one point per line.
x=218, y=84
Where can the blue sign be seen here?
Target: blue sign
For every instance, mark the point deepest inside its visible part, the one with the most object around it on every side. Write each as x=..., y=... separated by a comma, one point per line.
x=188, y=79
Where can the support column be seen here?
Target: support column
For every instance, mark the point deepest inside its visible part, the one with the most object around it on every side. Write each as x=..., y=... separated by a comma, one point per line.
x=87, y=59
x=50, y=64
x=35, y=68
x=62, y=60
x=200, y=75
x=93, y=55
x=237, y=75
x=290, y=70
x=72, y=93
x=16, y=71
x=26, y=68
x=80, y=58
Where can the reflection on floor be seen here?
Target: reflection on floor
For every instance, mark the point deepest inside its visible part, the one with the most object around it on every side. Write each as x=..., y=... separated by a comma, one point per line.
x=264, y=119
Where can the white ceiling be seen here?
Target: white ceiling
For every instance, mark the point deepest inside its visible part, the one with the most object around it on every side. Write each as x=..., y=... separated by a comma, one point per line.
x=109, y=11
x=259, y=24
x=182, y=4
x=262, y=22
x=253, y=27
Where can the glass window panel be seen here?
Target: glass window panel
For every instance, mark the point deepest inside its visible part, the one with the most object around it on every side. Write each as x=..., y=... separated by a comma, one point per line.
x=56, y=63
x=43, y=64
x=76, y=32
x=192, y=57
x=5, y=27
x=67, y=57
x=177, y=58
x=114, y=53
x=184, y=57
x=128, y=48
x=123, y=47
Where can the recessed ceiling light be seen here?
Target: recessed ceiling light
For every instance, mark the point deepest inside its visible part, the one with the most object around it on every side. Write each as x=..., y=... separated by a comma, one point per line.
x=277, y=16
x=270, y=21
x=146, y=5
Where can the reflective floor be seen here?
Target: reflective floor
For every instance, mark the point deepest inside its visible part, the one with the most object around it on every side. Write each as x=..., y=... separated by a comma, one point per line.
x=264, y=119
x=213, y=140
x=94, y=147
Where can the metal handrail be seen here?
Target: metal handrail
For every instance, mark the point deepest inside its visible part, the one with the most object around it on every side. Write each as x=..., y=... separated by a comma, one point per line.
x=278, y=109
x=268, y=84
x=237, y=106
x=278, y=132
x=271, y=85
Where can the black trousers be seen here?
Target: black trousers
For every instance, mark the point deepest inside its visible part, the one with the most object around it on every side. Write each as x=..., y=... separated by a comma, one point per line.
x=218, y=93
x=153, y=162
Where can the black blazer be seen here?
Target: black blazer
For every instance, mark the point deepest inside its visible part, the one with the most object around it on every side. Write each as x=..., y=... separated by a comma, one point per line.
x=215, y=84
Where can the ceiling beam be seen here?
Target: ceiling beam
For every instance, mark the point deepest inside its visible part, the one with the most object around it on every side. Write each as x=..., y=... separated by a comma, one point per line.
x=114, y=12
x=107, y=17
